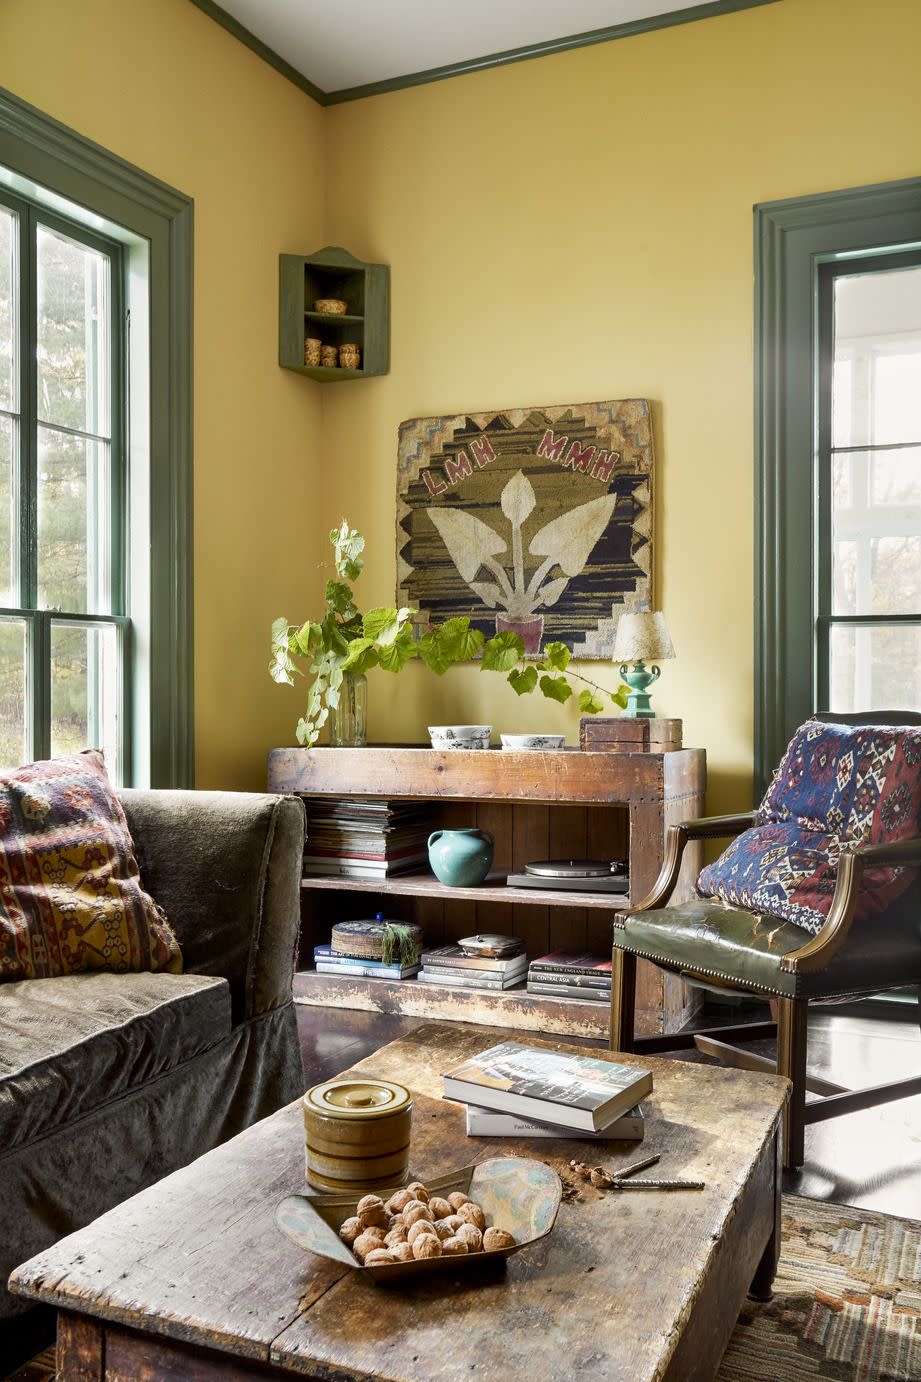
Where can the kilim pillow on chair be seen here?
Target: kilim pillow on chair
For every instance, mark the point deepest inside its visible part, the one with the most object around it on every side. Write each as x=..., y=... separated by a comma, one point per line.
x=71, y=897
x=837, y=786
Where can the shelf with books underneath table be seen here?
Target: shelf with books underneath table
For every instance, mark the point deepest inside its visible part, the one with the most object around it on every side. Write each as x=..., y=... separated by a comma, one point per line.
x=537, y=805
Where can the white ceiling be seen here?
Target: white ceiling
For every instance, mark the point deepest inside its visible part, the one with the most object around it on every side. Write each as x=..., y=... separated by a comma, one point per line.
x=338, y=44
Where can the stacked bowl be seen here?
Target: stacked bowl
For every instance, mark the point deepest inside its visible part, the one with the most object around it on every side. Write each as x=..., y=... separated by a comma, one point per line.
x=460, y=736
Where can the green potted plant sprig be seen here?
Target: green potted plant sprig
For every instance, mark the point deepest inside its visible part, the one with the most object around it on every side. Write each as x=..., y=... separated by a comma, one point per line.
x=345, y=644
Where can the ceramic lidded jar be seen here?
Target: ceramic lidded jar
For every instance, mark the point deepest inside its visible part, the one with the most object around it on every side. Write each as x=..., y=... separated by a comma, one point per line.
x=461, y=858
x=357, y=1134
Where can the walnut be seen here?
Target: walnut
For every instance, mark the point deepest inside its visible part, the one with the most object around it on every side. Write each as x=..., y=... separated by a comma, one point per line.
x=439, y=1207
x=452, y=1221
x=368, y=1202
x=374, y=1216
x=456, y=1199
x=419, y=1191
x=471, y=1235
x=419, y=1227
x=366, y=1242
x=403, y=1252
x=399, y=1200
x=415, y=1211
x=350, y=1229
x=496, y=1238
x=395, y=1220
x=442, y=1229
x=379, y=1257
x=454, y=1247
x=471, y=1213
x=426, y=1245
x=396, y=1235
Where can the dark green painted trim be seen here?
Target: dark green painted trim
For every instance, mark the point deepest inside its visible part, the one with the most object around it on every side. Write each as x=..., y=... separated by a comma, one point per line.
x=262, y=50
x=792, y=239
x=41, y=149
x=458, y=69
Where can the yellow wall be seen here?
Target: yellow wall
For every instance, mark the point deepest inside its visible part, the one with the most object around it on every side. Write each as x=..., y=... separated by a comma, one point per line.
x=160, y=84
x=580, y=227
x=563, y=230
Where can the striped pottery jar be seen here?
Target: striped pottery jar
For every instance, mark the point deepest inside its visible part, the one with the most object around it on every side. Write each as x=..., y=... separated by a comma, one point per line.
x=357, y=1134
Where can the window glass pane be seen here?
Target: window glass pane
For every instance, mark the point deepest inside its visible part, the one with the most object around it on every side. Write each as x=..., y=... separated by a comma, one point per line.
x=73, y=334
x=876, y=532
x=8, y=227
x=9, y=584
x=876, y=667
x=876, y=389
x=14, y=746
x=895, y=477
x=84, y=690
x=73, y=526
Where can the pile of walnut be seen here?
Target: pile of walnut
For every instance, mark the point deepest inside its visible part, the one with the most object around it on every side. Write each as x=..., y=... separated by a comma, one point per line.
x=413, y=1225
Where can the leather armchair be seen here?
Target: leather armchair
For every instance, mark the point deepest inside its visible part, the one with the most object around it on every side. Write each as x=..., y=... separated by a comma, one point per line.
x=743, y=950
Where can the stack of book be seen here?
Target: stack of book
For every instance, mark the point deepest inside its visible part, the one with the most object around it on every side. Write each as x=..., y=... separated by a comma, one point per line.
x=328, y=962
x=449, y=966
x=560, y=974
x=513, y=1090
x=364, y=838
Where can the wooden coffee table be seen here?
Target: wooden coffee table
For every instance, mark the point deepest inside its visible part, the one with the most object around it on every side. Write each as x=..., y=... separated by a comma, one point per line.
x=191, y=1279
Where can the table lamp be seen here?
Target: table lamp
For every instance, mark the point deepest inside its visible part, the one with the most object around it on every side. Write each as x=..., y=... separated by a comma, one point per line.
x=640, y=639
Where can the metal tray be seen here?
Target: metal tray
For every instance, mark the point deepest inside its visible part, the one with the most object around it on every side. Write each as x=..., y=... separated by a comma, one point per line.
x=516, y=1193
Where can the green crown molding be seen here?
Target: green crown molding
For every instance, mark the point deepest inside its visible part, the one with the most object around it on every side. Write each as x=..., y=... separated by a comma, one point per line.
x=50, y=154
x=792, y=239
x=458, y=69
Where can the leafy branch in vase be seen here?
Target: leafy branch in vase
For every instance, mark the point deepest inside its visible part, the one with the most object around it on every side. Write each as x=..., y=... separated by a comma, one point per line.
x=346, y=643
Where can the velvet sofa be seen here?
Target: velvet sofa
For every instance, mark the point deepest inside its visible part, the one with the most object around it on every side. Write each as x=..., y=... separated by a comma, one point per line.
x=110, y=1081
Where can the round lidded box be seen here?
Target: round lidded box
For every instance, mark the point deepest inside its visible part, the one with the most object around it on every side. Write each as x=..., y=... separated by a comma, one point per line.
x=357, y=1134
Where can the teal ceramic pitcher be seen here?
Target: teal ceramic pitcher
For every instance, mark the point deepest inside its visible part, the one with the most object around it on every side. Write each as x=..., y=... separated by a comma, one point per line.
x=461, y=858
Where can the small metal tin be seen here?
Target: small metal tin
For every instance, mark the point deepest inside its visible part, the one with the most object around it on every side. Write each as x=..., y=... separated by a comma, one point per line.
x=357, y=1134
x=490, y=946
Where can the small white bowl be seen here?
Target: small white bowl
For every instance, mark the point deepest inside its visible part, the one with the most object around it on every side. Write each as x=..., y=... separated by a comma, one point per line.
x=460, y=736
x=534, y=743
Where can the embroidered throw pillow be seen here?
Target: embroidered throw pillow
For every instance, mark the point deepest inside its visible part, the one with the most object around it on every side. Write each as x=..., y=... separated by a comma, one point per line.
x=70, y=893
x=837, y=786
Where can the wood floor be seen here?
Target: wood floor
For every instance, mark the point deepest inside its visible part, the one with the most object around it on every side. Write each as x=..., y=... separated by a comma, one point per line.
x=870, y=1159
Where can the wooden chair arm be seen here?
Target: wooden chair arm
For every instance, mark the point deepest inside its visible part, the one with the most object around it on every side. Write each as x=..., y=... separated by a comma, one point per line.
x=704, y=828
x=818, y=951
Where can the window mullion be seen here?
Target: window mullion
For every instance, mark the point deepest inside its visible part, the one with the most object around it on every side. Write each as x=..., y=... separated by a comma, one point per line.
x=28, y=431
x=40, y=684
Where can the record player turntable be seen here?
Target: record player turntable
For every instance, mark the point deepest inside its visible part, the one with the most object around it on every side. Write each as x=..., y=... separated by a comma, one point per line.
x=574, y=875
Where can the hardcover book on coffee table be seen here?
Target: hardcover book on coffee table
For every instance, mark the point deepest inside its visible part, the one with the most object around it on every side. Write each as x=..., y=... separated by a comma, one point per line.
x=486, y=1122
x=559, y=1087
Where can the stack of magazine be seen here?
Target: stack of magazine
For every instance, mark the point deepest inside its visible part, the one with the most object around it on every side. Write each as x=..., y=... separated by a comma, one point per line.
x=513, y=1090
x=586, y=978
x=364, y=838
x=451, y=968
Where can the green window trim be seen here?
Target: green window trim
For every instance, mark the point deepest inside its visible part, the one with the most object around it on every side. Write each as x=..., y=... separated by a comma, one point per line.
x=43, y=152
x=793, y=240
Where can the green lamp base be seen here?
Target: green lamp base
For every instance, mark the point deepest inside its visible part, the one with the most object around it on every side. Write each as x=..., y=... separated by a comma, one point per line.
x=639, y=678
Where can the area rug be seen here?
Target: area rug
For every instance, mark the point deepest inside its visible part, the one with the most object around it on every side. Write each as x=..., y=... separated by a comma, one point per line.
x=846, y=1307
x=847, y=1302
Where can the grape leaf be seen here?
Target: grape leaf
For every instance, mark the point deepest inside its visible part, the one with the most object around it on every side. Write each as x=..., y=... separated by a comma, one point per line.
x=556, y=657
x=394, y=657
x=590, y=704
x=458, y=641
x=502, y=652
x=432, y=655
x=522, y=680
x=556, y=688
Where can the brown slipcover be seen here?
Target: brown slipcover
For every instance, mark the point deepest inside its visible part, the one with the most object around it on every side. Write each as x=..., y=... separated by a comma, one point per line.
x=109, y=1082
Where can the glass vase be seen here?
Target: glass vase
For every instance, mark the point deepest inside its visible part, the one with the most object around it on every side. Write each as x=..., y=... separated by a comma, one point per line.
x=348, y=721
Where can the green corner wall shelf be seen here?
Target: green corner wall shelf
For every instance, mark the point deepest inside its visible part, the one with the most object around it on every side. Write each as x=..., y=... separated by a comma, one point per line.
x=333, y=273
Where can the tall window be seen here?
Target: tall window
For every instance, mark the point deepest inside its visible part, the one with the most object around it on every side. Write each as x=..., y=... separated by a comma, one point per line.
x=838, y=458
x=63, y=630
x=869, y=549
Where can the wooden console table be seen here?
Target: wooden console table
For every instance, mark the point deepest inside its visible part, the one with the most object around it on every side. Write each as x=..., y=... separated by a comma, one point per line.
x=537, y=805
